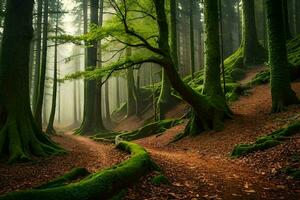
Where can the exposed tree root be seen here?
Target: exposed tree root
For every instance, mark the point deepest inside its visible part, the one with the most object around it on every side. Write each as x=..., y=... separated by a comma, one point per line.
x=146, y=131
x=20, y=140
x=101, y=185
x=266, y=142
x=73, y=175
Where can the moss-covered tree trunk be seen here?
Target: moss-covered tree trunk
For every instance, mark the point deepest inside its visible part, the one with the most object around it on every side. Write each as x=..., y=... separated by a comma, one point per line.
x=165, y=98
x=282, y=94
x=253, y=52
x=131, y=104
x=92, y=118
x=210, y=112
x=19, y=136
x=107, y=108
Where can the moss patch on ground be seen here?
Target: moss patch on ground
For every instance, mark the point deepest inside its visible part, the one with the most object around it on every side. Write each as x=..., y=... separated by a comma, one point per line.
x=266, y=142
x=101, y=185
x=160, y=179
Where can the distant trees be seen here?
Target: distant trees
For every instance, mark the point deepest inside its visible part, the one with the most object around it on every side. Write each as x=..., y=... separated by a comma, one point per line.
x=20, y=138
x=282, y=94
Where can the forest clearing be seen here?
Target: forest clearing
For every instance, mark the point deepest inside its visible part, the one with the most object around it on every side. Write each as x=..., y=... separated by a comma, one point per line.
x=151, y=99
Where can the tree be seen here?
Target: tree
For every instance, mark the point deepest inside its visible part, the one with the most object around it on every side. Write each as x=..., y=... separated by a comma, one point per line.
x=38, y=48
x=209, y=113
x=282, y=94
x=50, y=128
x=253, y=52
x=42, y=77
x=192, y=36
x=92, y=118
x=286, y=24
x=19, y=136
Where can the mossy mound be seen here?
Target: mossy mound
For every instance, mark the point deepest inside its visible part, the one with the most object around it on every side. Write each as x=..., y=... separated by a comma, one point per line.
x=101, y=185
x=266, y=142
x=160, y=179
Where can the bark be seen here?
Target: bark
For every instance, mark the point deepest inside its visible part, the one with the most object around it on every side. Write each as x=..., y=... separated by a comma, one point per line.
x=253, y=52
x=117, y=92
x=192, y=38
x=173, y=22
x=92, y=118
x=50, y=128
x=286, y=24
x=282, y=94
x=107, y=109
x=20, y=138
x=37, y=53
x=42, y=78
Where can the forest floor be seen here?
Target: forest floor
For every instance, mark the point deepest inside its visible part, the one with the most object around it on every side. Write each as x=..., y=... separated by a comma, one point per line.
x=198, y=167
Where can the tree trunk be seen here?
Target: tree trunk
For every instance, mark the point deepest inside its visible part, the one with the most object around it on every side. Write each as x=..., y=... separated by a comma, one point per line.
x=131, y=109
x=282, y=94
x=286, y=24
x=42, y=79
x=92, y=118
x=253, y=52
x=173, y=22
x=192, y=38
x=37, y=54
x=107, y=109
x=117, y=92
x=50, y=128
x=19, y=136
x=297, y=16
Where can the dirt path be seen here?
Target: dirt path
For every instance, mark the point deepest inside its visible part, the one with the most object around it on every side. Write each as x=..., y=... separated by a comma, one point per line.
x=82, y=152
x=200, y=167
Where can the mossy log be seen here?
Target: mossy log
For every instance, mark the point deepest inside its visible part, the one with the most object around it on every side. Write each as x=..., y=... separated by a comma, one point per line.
x=101, y=185
x=266, y=142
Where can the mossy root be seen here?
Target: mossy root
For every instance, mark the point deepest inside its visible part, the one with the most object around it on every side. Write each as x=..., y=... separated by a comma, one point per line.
x=101, y=185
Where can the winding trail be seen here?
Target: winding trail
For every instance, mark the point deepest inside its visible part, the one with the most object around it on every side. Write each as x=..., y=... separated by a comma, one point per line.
x=200, y=167
x=82, y=152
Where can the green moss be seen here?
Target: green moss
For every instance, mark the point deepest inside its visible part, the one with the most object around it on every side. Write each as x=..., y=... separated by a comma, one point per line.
x=121, y=195
x=266, y=142
x=100, y=185
x=73, y=175
x=160, y=180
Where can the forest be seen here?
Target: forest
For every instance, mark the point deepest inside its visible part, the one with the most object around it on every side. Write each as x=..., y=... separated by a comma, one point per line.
x=149, y=99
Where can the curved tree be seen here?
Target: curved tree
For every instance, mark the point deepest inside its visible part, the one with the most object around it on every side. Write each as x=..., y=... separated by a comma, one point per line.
x=282, y=94
x=209, y=112
x=19, y=136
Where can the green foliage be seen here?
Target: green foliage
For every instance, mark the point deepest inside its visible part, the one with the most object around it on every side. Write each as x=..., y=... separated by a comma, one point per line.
x=100, y=185
x=266, y=142
x=293, y=47
x=160, y=179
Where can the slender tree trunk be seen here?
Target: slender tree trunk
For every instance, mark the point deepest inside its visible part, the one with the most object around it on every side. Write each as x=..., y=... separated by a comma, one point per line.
x=37, y=54
x=192, y=38
x=173, y=22
x=42, y=79
x=117, y=92
x=19, y=136
x=286, y=23
x=50, y=128
x=282, y=94
x=130, y=89
x=107, y=109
